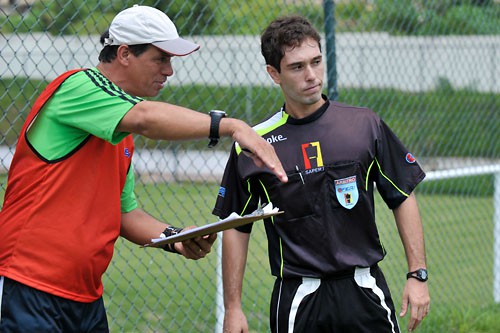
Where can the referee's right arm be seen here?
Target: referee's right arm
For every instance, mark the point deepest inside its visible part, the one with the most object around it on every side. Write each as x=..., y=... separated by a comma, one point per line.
x=234, y=257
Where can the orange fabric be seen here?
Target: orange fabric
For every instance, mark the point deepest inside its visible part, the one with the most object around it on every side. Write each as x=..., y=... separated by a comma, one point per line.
x=60, y=220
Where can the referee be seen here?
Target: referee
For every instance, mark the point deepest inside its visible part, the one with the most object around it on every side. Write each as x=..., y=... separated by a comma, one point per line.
x=325, y=249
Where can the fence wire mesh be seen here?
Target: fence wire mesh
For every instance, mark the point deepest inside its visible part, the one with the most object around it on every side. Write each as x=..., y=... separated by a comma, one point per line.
x=429, y=68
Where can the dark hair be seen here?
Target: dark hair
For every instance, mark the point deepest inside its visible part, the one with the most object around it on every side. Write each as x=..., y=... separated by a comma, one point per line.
x=108, y=52
x=287, y=31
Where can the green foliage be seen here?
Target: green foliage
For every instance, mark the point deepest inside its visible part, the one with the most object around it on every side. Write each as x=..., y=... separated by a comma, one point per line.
x=190, y=17
x=395, y=16
x=250, y=17
x=62, y=18
x=94, y=16
x=215, y=17
x=431, y=122
x=208, y=17
x=428, y=122
x=353, y=15
x=473, y=20
x=426, y=17
x=247, y=17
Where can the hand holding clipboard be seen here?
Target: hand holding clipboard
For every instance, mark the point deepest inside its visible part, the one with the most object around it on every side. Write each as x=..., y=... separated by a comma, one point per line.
x=232, y=221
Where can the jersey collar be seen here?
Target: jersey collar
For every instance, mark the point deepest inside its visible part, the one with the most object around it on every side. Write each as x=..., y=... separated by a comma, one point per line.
x=310, y=118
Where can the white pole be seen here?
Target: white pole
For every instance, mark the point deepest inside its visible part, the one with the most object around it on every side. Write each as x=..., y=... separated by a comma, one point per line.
x=219, y=306
x=496, y=241
x=462, y=172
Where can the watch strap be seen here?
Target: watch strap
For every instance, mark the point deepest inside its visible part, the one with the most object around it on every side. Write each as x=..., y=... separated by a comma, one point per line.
x=215, y=118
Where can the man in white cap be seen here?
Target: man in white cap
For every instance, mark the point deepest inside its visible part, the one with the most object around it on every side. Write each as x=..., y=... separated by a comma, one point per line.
x=70, y=191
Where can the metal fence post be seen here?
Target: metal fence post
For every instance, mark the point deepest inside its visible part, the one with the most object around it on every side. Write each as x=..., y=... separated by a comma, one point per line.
x=331, y=61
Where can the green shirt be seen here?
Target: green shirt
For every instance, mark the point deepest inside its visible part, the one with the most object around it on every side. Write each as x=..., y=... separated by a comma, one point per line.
x=87, y=103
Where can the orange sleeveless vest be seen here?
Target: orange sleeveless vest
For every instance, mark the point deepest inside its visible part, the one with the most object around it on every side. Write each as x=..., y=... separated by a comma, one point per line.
x=60, y=219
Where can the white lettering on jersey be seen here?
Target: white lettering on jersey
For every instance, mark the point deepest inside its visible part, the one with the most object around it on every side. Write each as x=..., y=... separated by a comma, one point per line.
x=276, y=138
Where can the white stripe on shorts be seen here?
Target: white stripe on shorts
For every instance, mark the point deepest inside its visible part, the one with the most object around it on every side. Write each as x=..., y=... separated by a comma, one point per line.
x=308, y=286
x=365, y=280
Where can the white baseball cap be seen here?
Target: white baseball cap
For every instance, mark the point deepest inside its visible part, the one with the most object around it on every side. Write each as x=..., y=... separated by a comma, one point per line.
x=148, y=25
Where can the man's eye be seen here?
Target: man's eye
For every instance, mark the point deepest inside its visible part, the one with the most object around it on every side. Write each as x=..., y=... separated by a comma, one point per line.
x=164, y=60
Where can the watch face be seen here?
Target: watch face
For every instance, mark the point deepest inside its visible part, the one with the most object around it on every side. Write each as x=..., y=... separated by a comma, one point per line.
x=422, y=274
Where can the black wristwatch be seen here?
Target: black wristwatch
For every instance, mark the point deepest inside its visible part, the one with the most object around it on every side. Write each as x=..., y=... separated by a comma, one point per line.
x=420, y=274
x=170, y=231
x=215, y=117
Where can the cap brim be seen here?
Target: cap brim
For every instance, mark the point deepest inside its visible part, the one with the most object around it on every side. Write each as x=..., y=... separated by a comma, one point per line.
x=177, y=47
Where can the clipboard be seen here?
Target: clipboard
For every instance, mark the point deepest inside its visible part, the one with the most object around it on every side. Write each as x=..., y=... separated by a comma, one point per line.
x=232, y=221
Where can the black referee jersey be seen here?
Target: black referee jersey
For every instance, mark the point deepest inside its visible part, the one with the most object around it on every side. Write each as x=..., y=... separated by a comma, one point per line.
x=333, y=158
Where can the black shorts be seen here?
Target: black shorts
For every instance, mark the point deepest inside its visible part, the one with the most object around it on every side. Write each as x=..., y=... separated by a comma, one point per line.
x=24, y=309
x=357, y=302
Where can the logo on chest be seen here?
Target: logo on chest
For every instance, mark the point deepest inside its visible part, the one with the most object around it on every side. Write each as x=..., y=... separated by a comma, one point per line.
x=311, y=152
x=346, y=190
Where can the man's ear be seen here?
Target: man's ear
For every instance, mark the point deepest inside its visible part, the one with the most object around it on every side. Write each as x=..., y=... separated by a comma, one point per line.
x=122, y=54
x=274, y=74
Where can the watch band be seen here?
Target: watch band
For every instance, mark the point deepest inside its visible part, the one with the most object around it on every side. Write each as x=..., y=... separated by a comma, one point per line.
x=215, y=118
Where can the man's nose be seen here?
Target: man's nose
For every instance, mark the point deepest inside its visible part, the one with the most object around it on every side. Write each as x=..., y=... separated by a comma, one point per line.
x=167, y=69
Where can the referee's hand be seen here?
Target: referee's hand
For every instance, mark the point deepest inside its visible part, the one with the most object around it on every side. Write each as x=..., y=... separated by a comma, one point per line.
x=416, y=296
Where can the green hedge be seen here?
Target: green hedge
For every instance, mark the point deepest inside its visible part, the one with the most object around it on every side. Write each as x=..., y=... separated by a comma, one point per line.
x=211, y=17
x=444, y=123
x=408, y=17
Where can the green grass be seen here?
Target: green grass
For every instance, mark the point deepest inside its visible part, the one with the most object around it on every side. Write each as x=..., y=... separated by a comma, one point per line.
x=459, y=242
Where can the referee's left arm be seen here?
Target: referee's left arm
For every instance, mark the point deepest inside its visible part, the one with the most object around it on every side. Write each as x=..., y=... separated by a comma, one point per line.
x=415, y=293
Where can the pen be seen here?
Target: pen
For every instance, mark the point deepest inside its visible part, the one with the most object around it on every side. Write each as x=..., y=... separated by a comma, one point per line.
x=300, y=174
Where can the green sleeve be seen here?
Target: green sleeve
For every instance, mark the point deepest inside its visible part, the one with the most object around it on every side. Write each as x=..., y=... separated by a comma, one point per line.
x=128, y=199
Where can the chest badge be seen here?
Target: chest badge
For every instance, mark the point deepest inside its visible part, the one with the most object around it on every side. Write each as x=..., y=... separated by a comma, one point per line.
x=346, y=190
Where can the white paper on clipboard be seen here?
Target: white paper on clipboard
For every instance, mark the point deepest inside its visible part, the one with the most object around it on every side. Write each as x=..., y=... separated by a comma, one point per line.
x=232, y=221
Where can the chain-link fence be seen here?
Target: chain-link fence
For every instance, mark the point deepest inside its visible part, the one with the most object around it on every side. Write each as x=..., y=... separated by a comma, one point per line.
x=429, y=68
